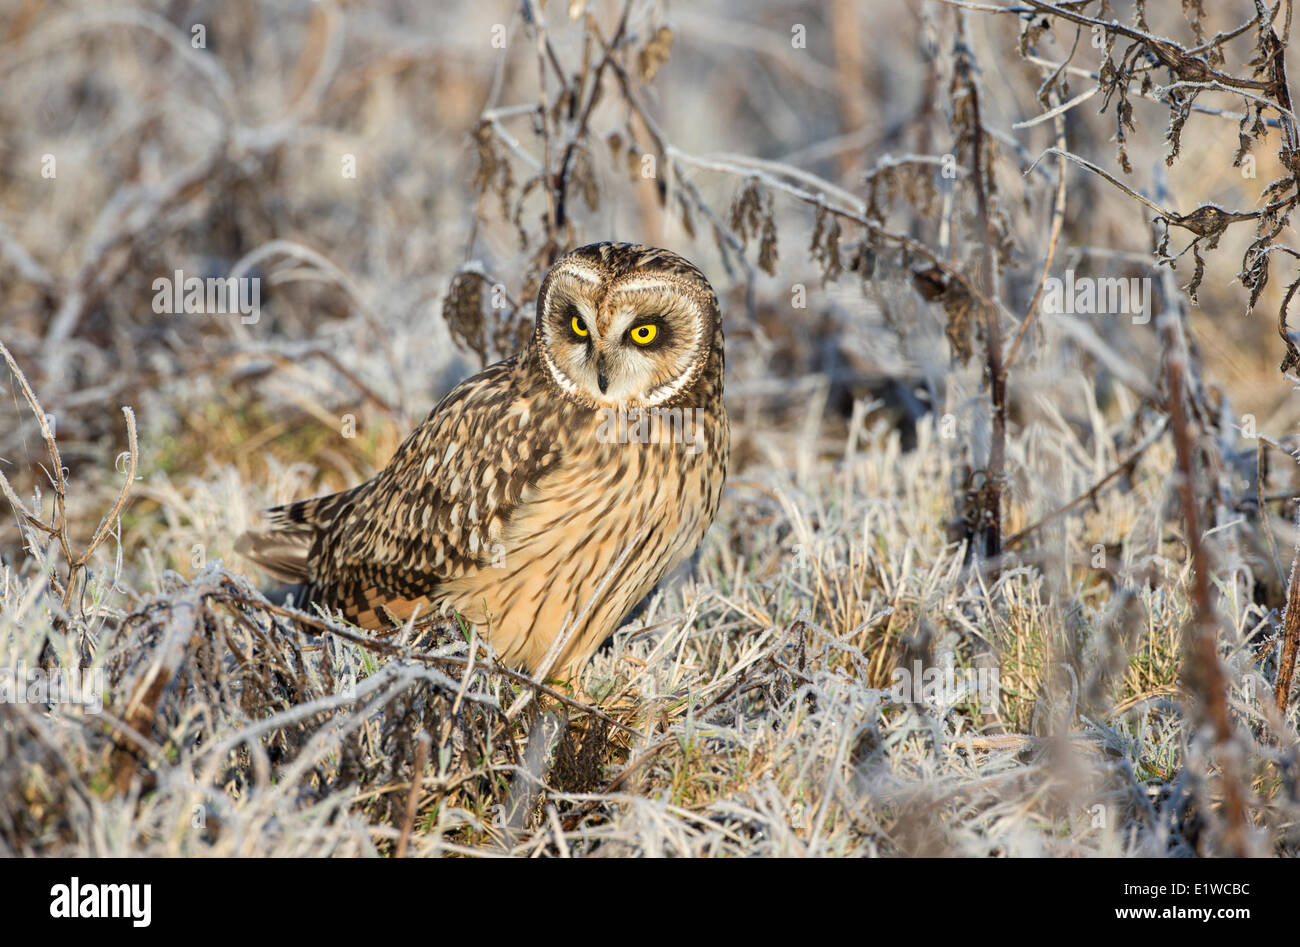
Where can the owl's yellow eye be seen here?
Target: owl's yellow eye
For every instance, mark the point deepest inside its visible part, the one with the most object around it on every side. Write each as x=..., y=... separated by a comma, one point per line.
x=579, y=327
x=644, y=335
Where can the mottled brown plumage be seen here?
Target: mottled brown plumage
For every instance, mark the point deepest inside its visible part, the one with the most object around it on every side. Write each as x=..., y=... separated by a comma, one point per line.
x=544, y=496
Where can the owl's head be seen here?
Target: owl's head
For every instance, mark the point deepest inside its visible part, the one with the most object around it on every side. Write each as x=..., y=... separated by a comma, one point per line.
x=620, y=324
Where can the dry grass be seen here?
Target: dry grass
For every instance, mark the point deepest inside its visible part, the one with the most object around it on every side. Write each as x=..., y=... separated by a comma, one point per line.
x=747, y=707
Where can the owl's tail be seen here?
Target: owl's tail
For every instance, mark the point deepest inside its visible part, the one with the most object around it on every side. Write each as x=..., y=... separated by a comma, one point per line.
x=281, y=552
x=284, y=547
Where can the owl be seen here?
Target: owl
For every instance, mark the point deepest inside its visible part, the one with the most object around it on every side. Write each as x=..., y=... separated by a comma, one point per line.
x=544, y=497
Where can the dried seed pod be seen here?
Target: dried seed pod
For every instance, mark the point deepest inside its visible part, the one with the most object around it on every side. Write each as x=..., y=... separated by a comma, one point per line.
x=654, y=54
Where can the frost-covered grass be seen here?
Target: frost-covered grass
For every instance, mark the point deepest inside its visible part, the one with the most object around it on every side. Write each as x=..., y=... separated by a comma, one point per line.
x=747, y=709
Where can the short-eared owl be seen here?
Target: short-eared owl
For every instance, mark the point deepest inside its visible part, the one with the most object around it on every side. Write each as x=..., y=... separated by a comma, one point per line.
x=544, y=496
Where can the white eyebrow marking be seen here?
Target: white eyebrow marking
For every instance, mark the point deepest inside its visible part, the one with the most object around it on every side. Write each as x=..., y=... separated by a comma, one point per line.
x=580, y=272
x=579, y=297
x=650, y=282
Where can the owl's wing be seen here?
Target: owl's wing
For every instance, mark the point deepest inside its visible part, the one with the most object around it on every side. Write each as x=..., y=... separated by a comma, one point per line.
x=440, y=508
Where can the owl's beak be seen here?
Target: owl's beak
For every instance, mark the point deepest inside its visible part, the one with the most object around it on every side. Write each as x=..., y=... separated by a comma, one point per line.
x=601, y=378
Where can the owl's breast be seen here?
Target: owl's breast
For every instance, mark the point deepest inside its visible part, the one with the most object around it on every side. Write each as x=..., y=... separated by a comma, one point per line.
x=632, y=495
